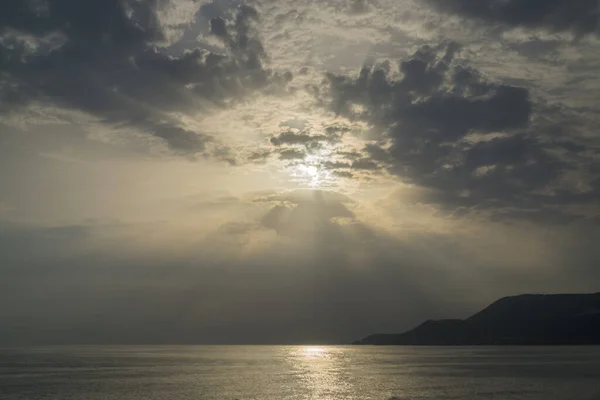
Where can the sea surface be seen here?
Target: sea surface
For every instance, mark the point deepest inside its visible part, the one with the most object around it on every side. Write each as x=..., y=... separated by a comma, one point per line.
x=299, y=372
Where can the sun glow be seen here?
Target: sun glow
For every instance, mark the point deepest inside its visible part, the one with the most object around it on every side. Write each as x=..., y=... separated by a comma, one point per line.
x=311, y=171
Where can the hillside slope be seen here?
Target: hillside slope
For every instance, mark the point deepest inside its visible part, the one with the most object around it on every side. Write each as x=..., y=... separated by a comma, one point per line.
x=520, y=320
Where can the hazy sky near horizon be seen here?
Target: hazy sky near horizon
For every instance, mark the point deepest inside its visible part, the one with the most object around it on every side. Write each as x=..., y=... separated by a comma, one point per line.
x=179, y=171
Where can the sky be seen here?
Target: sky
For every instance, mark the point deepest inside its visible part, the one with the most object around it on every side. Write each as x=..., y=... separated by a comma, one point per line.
x=277, y=171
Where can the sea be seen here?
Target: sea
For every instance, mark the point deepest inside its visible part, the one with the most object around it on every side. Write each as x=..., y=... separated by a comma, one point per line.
x=299, y=372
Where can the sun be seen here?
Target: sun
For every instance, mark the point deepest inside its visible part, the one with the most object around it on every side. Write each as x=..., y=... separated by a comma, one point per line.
x=310, y=172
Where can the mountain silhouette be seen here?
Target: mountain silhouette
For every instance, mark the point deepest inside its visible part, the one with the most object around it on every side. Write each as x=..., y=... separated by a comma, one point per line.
x=557, y=319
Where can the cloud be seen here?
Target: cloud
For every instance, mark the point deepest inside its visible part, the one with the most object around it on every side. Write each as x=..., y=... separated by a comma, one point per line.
x=470, y=167
x=343, y=174
x=291, y=154
x=295, y=124
x=580, y=17
x=291, y=138
x=260, y=156
x=443, y=126
x=364, y=163
x=358, y=7
x=112, y=65
x=302, y=133
x=431, y=100
x=336, y=164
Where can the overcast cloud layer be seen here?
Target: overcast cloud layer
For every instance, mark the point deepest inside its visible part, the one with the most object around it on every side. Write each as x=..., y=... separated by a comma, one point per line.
x=274, y=171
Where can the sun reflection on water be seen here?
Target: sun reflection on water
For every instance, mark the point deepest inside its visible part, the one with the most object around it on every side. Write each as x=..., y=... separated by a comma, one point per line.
x=312, y=351
x=322, y=370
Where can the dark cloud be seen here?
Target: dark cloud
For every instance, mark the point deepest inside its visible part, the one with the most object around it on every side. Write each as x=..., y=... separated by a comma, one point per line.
x=337, y=129
x=180, y=139
x=300, y=134
x=291, y=138
x=365, y=163
x=218, y=27
x=292, y=154
x=581, y=16
x=349, y=154
x=336, y=164
x=111, y=66
x=538, y=216
x=343, y=174
x=431, y=100
x=435, y=118
x=358, y=7
x=260, y=156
